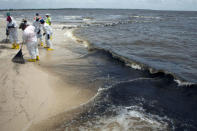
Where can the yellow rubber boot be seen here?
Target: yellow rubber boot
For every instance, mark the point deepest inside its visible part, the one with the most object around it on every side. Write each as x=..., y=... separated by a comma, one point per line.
x=13, y=46
x=31, y=60
x=17, y=46
x=41, y=44
x=50, y=49
x=37, y=58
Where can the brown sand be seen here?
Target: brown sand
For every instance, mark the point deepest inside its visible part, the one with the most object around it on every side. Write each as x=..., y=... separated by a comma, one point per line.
x=30, y=94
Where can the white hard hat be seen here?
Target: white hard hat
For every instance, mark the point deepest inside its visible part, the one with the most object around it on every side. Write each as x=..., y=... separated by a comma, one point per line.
x=48, y=14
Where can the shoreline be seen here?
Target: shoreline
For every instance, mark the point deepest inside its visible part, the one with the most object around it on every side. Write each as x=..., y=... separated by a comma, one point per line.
x=137, y=65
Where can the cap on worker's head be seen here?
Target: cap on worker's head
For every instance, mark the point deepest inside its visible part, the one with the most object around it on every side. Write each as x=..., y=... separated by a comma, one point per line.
x=37, y=14
x=47, y=15
x=8, y=13
x=42, y=21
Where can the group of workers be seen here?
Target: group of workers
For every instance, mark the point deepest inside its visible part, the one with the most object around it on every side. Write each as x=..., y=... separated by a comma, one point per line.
x=32, y=34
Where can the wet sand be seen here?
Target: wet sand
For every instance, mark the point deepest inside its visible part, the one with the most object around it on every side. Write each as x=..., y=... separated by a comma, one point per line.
x=33, y=93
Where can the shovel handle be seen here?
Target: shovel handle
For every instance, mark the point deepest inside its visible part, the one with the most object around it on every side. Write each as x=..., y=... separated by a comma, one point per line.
x=21, y=45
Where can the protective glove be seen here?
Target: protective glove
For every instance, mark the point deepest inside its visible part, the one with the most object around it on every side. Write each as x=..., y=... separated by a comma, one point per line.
x=10, y=26
x=38, y=32
x=7, y=32
x=44, y=33
x=48, y=36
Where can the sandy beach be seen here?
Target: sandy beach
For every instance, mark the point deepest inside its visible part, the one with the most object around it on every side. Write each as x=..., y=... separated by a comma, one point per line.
x=32, y=93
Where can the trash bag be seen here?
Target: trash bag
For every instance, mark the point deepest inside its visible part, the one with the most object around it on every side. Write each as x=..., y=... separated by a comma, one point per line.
x=18, y=58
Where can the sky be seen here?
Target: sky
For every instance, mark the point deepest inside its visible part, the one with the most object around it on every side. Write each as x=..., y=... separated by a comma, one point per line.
x=186, y=5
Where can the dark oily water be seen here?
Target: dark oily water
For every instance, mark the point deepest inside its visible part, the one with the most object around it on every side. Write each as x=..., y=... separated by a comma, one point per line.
x=133, y=100
x=164, y=41
x=161, y=40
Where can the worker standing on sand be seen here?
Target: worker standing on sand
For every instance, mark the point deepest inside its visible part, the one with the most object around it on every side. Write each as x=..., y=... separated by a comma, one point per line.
x=37, y=16
x=48, y=33
x=37, y=26
x=12, y=31
x=48, y=19
x=30, y=39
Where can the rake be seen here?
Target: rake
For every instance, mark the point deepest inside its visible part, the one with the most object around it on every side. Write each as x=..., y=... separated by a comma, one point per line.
x=18, y=58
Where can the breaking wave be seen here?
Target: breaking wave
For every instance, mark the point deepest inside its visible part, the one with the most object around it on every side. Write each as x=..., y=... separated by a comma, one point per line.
x=132, y=63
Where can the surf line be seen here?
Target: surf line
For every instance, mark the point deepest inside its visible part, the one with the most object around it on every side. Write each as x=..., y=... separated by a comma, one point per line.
x=131, y=63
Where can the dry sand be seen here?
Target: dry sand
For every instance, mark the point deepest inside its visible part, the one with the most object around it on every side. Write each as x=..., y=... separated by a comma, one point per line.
x=30, y=95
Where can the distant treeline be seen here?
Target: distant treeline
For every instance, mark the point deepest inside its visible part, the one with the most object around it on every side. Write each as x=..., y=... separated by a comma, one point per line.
x=92, y=9
x=67, y=9
x=38, y=9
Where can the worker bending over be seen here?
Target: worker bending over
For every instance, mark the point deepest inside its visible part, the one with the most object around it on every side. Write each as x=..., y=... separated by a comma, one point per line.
x=30, y=39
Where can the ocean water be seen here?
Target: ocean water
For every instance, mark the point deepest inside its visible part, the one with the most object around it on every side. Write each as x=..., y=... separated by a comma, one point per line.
x=164, y=41
x=144, y=63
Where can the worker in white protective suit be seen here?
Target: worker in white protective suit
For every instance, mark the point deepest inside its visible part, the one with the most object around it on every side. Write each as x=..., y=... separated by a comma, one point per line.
x=30, y=39
x=37, y=16
x=12, y=30
x=38, y=32
x=48, y=34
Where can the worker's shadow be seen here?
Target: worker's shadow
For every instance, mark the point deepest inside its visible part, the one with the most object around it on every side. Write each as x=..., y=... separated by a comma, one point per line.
x=4, y=47
x=5, y=41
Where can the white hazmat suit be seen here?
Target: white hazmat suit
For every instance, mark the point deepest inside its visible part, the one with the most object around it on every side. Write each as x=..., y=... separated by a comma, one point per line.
x=30, y=39
x=48, y=33
x=12, y=28
x=38, y=32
